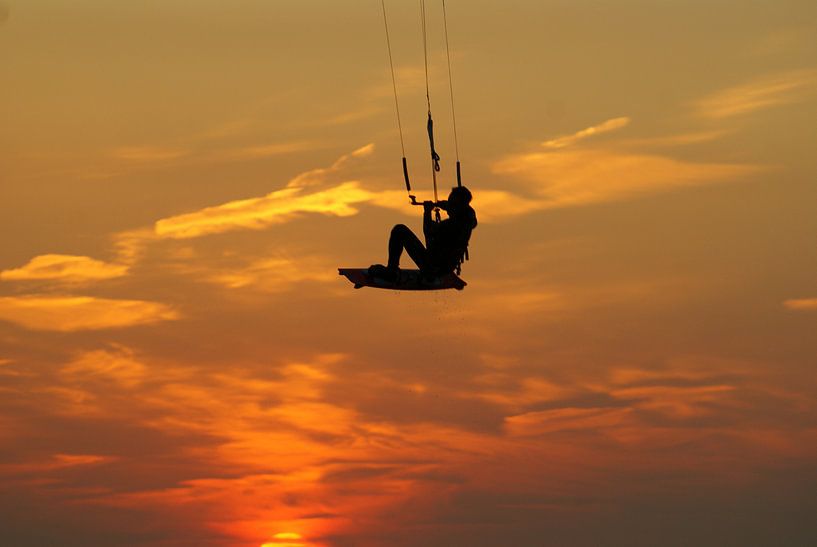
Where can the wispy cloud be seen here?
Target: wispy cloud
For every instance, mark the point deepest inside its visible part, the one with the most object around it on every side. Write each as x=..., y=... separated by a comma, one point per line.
x=682, y=139
x=56, y=462
x=560, y=174
x=318, y=191
x=354, y=115
x=565, y=178
x=604, y=127
x=801, y=304
x=274, y=274
x=315, y=177
x=259, y=213
x=276, y=207
x=270, y=150
x=68, y=268
x=116, y=364
x=410, y=79
x=764, y=92
x=566, y=419
x=76, y=313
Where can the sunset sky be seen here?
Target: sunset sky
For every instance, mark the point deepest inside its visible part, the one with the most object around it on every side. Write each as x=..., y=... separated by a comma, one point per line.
x=633, y=361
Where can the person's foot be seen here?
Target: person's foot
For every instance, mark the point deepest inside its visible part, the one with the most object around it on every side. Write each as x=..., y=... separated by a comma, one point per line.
x=384, y=272
x=429, y=278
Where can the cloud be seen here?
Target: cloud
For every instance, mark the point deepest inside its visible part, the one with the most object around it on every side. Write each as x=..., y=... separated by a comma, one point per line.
x=275, y=274
x=565, y=419
x=270, y=150
x=410, y=80
x=276, y=207
x=804, y=304
x=761, y=93
x=131, y=244
x=318, y=176
x=494, y=205
x=353, y=116
x=117, y=365
x=74, y=269
x=76, y=313
x=310, y=192
x=565, y=178
x=683, y=139
x=604, y=127
x=259, y=213
x=491, y=205
x=55, y=463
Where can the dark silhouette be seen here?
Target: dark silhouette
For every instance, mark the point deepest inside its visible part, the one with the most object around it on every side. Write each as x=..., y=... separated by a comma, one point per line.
x=446, y=241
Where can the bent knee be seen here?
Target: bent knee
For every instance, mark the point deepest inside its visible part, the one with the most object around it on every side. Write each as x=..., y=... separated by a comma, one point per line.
x=400, y=229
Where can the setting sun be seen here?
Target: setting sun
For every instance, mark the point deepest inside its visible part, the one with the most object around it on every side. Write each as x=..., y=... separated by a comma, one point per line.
x=285, y=539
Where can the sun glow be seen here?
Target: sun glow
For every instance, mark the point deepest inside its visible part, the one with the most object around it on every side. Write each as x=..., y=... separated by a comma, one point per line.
x=285, y=539
x=287, y=535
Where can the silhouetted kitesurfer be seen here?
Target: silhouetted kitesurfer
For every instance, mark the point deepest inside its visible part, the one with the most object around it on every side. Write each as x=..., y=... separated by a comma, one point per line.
x=446, y=241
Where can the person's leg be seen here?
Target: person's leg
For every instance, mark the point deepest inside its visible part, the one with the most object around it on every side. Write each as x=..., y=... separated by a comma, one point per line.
x=403, y=238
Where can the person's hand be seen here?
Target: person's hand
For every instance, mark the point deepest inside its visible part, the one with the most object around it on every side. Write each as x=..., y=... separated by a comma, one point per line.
x=428, y=206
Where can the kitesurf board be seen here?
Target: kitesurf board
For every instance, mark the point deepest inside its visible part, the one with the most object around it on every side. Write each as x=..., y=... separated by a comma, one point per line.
x=409, y=280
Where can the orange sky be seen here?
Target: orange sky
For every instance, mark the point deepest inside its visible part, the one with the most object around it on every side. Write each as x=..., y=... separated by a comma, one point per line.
x=632, y=362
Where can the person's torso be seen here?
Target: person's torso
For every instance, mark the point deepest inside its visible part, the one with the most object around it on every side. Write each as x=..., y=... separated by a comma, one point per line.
x=451, y=238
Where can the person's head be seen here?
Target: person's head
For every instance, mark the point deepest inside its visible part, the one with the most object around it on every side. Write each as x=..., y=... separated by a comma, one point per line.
x=459, y=197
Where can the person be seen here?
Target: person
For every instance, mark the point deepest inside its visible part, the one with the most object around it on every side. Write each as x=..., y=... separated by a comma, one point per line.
x=446, y=241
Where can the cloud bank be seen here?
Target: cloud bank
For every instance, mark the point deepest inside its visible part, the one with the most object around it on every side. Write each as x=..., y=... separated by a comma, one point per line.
x=574, y=178
x=761, y=93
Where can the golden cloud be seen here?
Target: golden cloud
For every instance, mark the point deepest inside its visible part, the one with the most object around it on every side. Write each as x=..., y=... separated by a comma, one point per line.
x=565, y=178
x=801, y=304
x=604, y=127
x=249, y=214
x=65, y=268
x=275, y=274
x=318, y=176
x=276, y=207
x=683, y=139
x=259, y=213
x=76, y=313
x=761, y=93
x=353, y=115
x=491, y=205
